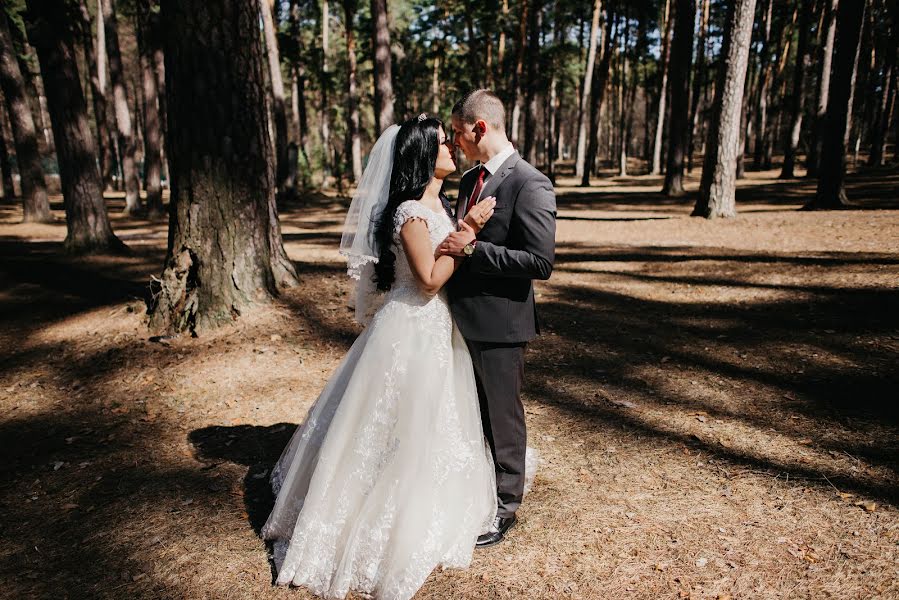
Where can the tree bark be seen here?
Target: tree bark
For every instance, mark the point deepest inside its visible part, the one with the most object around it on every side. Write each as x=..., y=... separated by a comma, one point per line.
x=887, y=94
x=831, y=192
x=598, y=92
x=791, y=141
x=383, y=69
x=225, y=251
x=87, y=223
x=679, y=123
x=826, y=58
x=663, y=91
x=580, y=169
x=716, y=192
x=148, y=41
x=354, y=143
x=533, y=50
x=279, y=108
x=127, y=141
x=35, y=203
x=325, y=78
x=698, y=81
x=8, y=189
x=519, y=71
x=98, y=95
x=761, y=120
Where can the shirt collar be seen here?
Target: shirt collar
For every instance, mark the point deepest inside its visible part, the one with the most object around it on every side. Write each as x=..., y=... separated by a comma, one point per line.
x=497, y=161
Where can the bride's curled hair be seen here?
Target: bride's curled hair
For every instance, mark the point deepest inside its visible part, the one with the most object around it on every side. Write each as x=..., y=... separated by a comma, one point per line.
x=414, y=158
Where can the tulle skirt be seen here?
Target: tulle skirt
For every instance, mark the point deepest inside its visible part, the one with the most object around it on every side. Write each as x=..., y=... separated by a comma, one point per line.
x=389, y=476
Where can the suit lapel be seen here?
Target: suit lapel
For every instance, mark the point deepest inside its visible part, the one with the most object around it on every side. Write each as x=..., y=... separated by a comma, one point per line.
x=500, y=176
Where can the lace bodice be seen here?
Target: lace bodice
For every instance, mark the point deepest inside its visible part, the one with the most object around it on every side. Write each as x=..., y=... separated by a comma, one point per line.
x=439, y=226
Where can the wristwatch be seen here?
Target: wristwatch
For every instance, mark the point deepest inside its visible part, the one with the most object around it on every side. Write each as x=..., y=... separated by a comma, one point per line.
x=468, y=249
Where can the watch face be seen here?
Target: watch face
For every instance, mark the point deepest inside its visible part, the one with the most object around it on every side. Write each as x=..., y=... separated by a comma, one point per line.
x=468, y=249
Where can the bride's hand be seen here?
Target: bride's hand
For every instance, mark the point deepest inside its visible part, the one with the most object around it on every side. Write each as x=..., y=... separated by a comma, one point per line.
x=480, y=213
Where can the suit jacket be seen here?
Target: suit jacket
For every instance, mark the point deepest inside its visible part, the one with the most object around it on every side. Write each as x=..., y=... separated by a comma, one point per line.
x=492, y=294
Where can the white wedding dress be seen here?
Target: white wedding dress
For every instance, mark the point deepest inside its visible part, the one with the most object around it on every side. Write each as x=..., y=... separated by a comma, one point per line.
x=389, y=476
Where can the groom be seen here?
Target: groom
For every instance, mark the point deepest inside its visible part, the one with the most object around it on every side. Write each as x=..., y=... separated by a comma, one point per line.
x=491, y=294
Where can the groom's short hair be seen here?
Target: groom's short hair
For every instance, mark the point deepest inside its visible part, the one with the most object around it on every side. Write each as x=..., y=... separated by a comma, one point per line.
x=481, y=105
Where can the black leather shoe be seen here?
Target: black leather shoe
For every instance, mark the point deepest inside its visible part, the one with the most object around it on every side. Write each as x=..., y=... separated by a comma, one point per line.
x=497, y=532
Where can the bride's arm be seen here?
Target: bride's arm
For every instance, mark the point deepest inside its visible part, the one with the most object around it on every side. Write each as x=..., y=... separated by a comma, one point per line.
x=430, y=273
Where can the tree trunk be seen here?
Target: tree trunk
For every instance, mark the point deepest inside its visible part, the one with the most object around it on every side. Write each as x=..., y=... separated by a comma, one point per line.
x=597, y=93
x=325, y=88
x=8, y=189
x=383, y=69
x=791, y=141
x=533, y=50
x=887, y=94
x=87, y=224
x=698, y=81
x=830, y=30
x=127, y=142
x=663, y=90
x=519, y=71
x=148, y=41
x=716, y=192
x=679, y=123
x=225, y=251
x=34, y=189
x=278, y=103
x=581, y=169
x=98, y=96
x=761, y=120
x=831, y=192
x=354, y=143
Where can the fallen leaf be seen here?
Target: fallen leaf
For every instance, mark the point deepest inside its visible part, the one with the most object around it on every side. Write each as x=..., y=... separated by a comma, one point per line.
x=868, y=506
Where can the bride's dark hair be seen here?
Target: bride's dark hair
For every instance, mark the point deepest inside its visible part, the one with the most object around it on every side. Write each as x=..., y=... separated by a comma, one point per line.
x=414, y=158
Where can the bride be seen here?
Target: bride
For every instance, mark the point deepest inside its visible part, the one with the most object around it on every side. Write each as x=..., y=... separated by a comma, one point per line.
x=390, y=476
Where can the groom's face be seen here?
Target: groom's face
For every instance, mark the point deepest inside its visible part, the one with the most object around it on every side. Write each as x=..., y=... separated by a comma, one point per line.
x=467, y=136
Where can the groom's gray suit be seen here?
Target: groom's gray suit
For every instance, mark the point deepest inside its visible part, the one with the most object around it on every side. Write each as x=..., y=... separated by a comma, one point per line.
x=492, y=301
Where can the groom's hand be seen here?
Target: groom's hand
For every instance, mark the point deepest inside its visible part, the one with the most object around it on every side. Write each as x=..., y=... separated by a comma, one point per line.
x=457, y=240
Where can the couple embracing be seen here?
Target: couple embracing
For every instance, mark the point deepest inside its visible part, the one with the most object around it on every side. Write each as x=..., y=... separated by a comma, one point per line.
x=415, y=451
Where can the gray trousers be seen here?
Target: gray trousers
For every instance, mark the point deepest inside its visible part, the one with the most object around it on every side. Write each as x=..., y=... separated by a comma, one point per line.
x=499, y=370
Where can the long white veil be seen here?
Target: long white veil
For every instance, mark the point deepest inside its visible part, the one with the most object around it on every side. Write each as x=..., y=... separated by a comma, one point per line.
x=358, y=243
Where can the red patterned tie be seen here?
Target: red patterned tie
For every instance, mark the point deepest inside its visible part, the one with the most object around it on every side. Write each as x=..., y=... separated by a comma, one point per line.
x=473, y=199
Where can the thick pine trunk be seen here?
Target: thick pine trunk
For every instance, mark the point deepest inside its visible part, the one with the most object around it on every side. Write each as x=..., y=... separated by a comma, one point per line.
x=8, y=189
x=698, y=81
x=716, y=192
x=581, y=169
x=887, y=95
x=826, y=58
x=98, y=96
x=679, y=123
x=279, y=107
x=382, y=65
x=87, y=223
x=148, y=40
x=791, y=141
x=35, y=203
x=354, y=143
x=127, y=139
x=225, y=250
x=598, y=93
x=761, y=116
x=663, y=91
x=831, y=192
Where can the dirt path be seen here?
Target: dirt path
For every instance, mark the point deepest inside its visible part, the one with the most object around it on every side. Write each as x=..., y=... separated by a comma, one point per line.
x=715, y=406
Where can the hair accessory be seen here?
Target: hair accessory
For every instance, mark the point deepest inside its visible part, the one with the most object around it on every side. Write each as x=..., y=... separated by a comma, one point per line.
x=422, y=117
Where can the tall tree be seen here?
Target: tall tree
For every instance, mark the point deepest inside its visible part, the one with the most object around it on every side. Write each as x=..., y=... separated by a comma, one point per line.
x=716, y=191
x=791, y=139
x=764, y=82
x=148, y=41
x=6, y=186
x=98, y=92
x=881, y=123
x=383, y=65
x=598, y=91
x=679, y=122
x=35, y=203
x=581, y=170
x=518, y=73
x=699, y=80
x=831, y=192
x=325, y=79
x=279, y=108
x=225, y=251
x=127, y=139
x=829, y=31
x=354, y=143
x=533, y=50
x=87, y=223
x=656, y=167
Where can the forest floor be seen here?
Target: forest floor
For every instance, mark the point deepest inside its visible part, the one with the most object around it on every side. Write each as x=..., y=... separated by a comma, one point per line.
x=712, y=401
